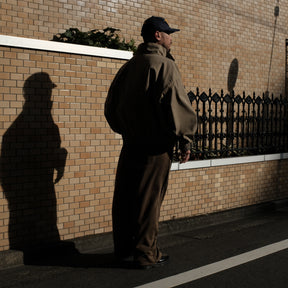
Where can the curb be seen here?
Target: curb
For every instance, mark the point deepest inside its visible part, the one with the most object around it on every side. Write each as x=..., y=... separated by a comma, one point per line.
x=11, y=258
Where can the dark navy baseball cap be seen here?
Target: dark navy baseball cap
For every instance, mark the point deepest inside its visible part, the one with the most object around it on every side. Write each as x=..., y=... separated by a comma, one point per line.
x=154, y=24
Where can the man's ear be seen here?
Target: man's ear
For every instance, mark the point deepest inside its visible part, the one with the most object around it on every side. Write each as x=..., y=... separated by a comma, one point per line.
x=157, y=35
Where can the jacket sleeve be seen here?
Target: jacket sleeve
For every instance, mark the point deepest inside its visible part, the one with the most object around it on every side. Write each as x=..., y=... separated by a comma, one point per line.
x=183, y=117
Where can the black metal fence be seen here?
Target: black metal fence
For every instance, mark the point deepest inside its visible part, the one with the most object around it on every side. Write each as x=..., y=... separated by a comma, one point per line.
x=235, y=125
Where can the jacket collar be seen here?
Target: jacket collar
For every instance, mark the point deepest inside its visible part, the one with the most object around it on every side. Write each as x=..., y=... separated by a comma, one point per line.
x=151, y=48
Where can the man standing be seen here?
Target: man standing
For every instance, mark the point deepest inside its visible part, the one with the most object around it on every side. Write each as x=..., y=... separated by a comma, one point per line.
x=148, y=106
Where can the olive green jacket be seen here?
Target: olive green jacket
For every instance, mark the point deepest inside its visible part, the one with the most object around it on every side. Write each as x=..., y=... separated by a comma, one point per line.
x=147, y=103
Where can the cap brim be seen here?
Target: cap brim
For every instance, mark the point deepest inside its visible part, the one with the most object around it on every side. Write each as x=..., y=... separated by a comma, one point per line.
x=171, y=30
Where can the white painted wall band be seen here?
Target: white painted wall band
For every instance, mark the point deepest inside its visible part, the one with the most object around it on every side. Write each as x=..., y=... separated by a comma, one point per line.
x=52, y=46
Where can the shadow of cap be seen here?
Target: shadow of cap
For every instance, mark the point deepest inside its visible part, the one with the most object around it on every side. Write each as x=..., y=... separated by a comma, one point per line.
x=38, y=86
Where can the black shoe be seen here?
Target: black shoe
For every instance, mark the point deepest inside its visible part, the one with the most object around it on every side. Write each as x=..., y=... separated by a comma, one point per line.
x=162, y=261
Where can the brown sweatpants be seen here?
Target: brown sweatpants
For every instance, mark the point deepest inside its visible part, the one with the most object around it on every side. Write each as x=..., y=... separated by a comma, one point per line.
x=140, y=187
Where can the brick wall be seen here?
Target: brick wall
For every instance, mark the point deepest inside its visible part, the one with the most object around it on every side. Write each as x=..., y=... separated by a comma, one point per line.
x=203, y=191
x=80, y=203
x=84, y=194
x=213, y=33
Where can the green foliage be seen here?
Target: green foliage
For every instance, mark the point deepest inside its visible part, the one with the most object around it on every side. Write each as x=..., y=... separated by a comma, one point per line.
x=107, y=38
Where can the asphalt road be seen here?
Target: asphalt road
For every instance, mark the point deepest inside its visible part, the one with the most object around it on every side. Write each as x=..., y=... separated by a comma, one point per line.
x=211, y=253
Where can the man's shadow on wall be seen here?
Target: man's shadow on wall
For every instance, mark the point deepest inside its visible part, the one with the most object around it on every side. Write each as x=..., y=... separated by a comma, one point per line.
x=31, y=151
x=30, y=154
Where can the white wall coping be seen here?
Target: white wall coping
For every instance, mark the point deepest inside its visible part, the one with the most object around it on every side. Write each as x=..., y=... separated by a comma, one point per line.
x=227, y=161
x=28, y=43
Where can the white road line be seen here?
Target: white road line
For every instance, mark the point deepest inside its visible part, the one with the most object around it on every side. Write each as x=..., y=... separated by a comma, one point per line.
x=216, y=267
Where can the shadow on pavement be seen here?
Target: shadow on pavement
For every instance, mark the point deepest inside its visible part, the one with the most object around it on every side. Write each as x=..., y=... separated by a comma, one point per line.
x=66, y=255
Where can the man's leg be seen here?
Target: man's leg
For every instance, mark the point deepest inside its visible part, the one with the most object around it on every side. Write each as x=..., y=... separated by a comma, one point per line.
x=154, y=171
x=122, y=209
